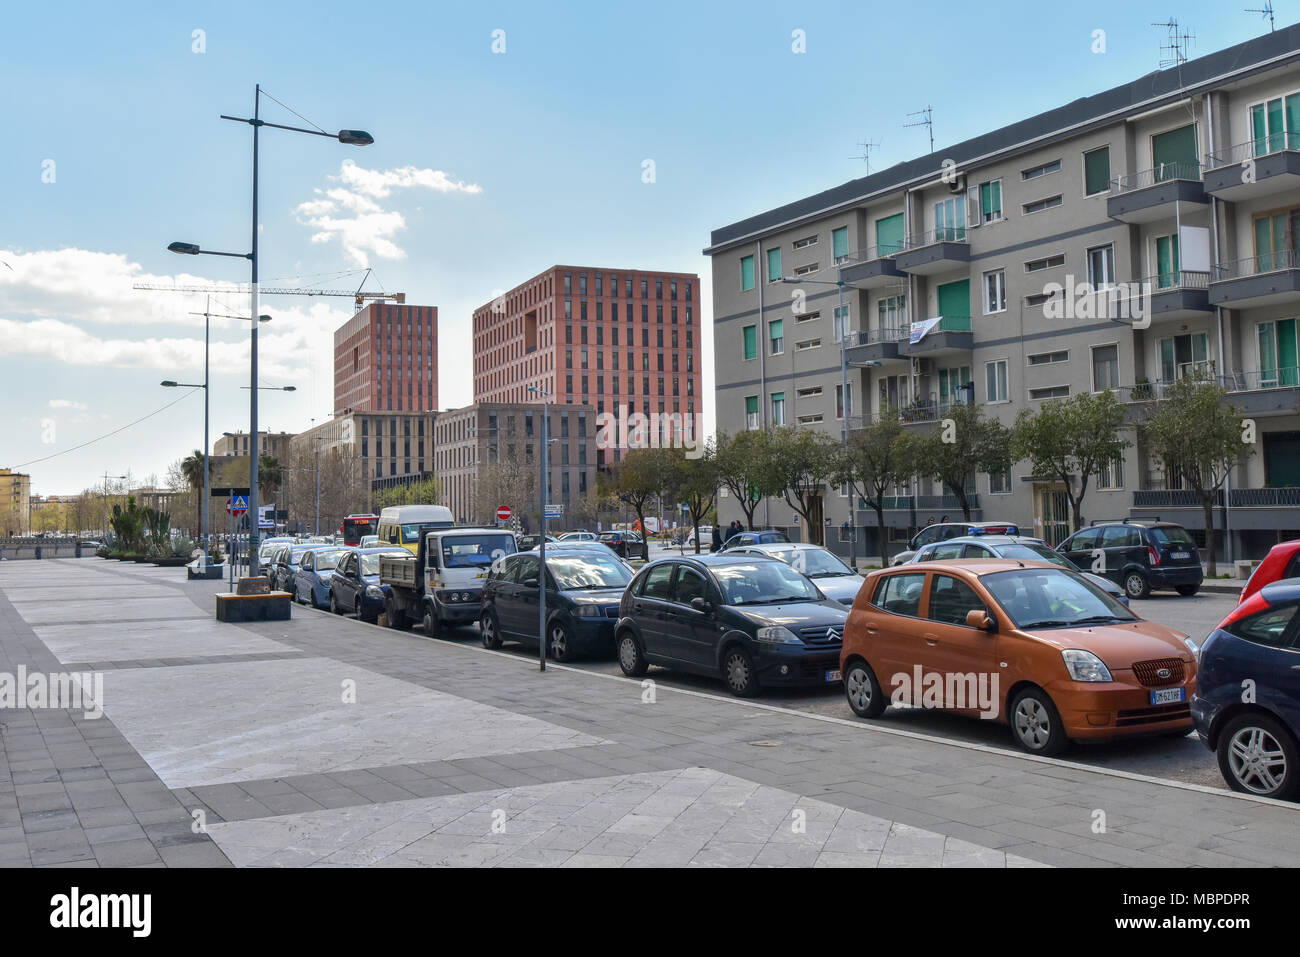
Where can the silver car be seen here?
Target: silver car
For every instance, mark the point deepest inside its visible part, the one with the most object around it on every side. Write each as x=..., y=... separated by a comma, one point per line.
x=837, y=581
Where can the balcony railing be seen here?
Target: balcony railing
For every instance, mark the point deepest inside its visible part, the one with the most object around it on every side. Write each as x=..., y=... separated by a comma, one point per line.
x=1158, y=174
x=1231, y=382
x=1265, y=497
x=930, y=503
x=1273, y=261
x=1258, y=381
x=876, y=252
x=1237, y=498
x=1174, y=279
x=944, y=234
x=1253, y=149
x=867, y=337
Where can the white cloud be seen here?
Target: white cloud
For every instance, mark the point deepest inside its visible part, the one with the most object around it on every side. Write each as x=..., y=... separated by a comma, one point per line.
x=370, y=229
x=67, y=404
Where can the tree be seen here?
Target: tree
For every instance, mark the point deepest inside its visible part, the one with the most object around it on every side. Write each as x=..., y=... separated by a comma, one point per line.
x=509, y=479
x=697, y=483
x=1071, y=438
x=801, y=462
x=1194, y=434
x=191, y=469
x=743, y=468
x=964, y=443
x=878, y=459
x=421, y=492
x=640, y=477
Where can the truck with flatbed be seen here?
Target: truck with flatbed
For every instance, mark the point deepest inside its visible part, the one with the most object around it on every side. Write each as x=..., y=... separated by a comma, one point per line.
x=440, y=583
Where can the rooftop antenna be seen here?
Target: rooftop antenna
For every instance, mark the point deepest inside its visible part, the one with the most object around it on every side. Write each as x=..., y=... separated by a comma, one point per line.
x=865, y=155
x=928, y=123
x=1266, y=11
x=1176, y=46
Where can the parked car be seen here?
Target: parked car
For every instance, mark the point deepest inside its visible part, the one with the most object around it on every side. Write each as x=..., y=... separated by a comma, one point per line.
x=583, y=589
x=579, y=535
x=706, y=537
x=621, y=543
x=1033, y=644
x=1247, y=701
x=751, y=621
x=941, y=531
x=354, y=586
x=1282, y=561
x=268, y=546
x=1139, y=556
x=369, y=541
x=1010, y=546
x=598, y=547
x=315, y=569
x=529, y=542
x=836, y=580
x=283, y=564
x=441, y=585
x=768, y=536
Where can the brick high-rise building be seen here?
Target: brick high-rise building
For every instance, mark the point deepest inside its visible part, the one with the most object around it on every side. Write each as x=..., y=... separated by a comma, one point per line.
x=602, y=337
x=386, y=359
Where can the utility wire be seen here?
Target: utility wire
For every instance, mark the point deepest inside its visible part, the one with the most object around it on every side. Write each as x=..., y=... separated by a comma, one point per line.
x=293, y=111
x=108, y=434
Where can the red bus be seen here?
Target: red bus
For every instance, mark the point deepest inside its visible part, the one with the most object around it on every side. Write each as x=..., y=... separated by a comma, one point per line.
x=355, y=526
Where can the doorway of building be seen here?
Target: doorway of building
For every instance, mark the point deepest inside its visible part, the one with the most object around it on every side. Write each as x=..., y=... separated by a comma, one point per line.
x=1052, y=508
x=816, y=530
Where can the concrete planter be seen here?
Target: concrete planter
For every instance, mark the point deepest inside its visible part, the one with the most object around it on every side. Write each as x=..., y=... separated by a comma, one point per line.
x=206, y=573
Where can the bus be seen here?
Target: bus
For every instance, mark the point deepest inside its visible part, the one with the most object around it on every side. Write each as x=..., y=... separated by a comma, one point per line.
x=355, y=526
x=400, y=524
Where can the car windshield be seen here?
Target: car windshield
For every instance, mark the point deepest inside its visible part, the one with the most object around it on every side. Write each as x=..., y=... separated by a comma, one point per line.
x=1172, y=534
x=813, y=562
x=370, y=563
x=586, y=571
x=1035, y=553
x=475, y=551
x=324, y=561
x=1052, y=598
x=764, y=583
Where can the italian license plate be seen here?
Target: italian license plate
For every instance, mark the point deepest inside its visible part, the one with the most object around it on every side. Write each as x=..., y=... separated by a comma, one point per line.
x=1168, y=695
x=1180, y=554
x=833, y=675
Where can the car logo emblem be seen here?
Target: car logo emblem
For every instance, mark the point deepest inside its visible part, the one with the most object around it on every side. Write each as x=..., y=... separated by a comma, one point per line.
x=831, y=634
x=1163, y=673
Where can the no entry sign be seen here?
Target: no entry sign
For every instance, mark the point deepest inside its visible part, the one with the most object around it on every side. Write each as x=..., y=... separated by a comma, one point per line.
x=503, y=513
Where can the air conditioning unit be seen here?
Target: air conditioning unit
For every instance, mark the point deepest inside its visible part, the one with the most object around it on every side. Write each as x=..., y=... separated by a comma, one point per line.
x=958, y=185
x=924, y=366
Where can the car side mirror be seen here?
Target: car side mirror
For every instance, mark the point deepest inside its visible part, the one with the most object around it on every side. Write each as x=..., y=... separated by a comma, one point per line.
x=699, y=604
x=530, y=582
x=982, y=620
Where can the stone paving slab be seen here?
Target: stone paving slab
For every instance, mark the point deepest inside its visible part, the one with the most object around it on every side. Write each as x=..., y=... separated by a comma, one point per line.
x=148, y=640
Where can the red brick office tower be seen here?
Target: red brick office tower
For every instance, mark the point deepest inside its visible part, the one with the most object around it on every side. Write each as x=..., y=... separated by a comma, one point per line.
x=603, y=337
x=386, y=359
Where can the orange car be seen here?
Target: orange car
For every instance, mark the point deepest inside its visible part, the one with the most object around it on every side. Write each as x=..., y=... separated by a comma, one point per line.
x=1025, y=643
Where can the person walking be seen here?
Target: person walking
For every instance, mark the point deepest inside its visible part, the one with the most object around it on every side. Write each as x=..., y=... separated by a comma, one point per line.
x=717, y=539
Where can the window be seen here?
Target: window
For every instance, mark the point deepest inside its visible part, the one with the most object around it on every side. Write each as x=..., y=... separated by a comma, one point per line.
x=805, y=270
x=950, y=221
x=751, y=412
x=840, y=243
x=1038, y=205
x=776, y=336
x=1277, y=235
x=805, y=242
x=990, y=201
x=995, y=381
x=1174, y=154
x=842, y=316
x=995, y=292
x=1279, y=359
x=1047, y=262
x=1041, y=298
x=1046, y=358
x=1182, y=356
x=806, y=344
x=1036, y=171
x=1105, y=368
x=811, y=392
x=1049, y=392
x=774, y=265
x=1000, y=483
x=1111, y=474
x=1096, y=171
x=891, y=315
x=889, y=235
x=1101, y=267
x=950, y=600
x=1275, y=125
x=807, y=316
x=1266, y=628
x=778, y=408
x=746, y=274
x=900, y=594
x=751, y=342
x=1167, y=268
x=811, y=419
x=839, y=401
x=952, y=385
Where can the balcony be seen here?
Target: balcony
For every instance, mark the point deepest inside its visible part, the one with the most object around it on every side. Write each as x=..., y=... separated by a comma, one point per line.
x=874, y=267
x=937, y=251
x=951, y=336
x=874, y=345
x=1263, y=394
x=1263, y=167
x=922, y=411
x=1151, y=194
x=1167, y=296
x=1253, y=509
x=1271, y=277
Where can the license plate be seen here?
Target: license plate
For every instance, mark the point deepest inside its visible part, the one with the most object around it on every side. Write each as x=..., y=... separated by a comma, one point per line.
x=1168, y=695
x=481, y=575
x=833, y=675
x=1180, y=554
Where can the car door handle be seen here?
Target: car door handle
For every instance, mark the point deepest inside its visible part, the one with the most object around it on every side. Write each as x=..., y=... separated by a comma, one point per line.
x=931, y=639
x=637, y=609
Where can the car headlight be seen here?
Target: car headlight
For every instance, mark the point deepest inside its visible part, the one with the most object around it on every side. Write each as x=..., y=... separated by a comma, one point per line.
x=1085, y=666
x=374, y=591
x=589, y=611
x=778, y=635
x=1192, y=647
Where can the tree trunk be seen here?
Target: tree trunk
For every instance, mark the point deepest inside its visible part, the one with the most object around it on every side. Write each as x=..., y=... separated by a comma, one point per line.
x=879, y=508
x=1207, y=503
x=960, y=492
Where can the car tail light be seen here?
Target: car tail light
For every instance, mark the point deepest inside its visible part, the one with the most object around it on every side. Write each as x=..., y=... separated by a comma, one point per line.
x=1154, y=553
x=1251, y=606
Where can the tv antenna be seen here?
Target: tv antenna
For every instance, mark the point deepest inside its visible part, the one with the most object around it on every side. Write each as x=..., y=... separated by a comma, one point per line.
x=928, y=123
x=1266, y=11
x=865, y=155
x=1176, y=45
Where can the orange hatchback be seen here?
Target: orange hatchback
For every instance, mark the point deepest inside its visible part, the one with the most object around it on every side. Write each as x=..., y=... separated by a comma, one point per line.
x=1026, y=643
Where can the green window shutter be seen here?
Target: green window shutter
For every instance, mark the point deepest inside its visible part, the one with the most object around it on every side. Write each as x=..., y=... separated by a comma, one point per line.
x=889, y=235
x=1258, y=130
x=773, y=264
x=747, y=273
x=991, y=199
x=751, y=342
x=1166, y=261
x=1286, y=352
x=1275, y=137
x=1292, y=122
x=751, y=405
x=954, y=306
x=1174, y=154
x=840, y=242
x=1096, y=171
x=775, y=328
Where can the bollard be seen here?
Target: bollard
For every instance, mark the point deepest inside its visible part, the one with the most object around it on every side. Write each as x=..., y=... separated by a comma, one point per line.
x=38, y=551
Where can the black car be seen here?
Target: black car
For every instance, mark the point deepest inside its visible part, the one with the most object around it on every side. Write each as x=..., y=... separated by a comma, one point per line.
x=1138, y=556
x=621, y=542
x=751, y=621
x=583, y=588
x=282, y=568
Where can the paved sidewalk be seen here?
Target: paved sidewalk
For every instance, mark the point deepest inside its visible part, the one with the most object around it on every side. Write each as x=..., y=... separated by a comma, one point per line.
x=323, y=741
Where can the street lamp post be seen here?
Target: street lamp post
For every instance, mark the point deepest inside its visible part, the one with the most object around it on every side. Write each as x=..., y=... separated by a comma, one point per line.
x=348, y=137
x=541, y=547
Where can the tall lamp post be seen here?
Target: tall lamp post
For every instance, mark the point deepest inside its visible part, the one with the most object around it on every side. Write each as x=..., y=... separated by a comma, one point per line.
x=348, y=137
x=541, y=547
x=255, y=525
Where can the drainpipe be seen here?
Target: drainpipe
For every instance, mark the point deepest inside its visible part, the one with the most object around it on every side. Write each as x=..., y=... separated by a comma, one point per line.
x=1218, y=319
x=762, y=364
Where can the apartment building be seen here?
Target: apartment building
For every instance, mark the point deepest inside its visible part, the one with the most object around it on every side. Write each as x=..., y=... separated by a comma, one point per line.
x=15, y=502
x=390, y=449
x=386, y=359
x=274, y=444
x=608, y=338
x=488, y=451
x=967, y=267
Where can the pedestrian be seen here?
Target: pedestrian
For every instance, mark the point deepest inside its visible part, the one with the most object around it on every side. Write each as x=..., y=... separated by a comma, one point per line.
x=929, y=521
x=944, y=520
x=717, y=539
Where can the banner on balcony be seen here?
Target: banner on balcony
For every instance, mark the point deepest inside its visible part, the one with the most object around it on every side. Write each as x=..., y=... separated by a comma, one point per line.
x=921, y=327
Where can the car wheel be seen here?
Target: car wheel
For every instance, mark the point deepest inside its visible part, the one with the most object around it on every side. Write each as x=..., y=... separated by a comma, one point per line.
x=1036, y=724
x=558, y=645
x=630, y=657
x=311, y=598
x=395, y=617
x=488, y=631
x=738, y=672
x=1135, y=585
x=372, y=619
x=1188, y=591
x=334, y=605
x=863, y=691
x=430, y=623
x=1257, y=755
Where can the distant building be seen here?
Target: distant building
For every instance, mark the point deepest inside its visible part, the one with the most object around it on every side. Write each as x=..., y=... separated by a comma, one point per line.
x=392, y=448
x=15, y=502
x=274, y=444
x=386, y=359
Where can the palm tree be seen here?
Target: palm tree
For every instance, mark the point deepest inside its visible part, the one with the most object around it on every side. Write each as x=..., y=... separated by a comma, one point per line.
x=192, y=469
x=270, y=475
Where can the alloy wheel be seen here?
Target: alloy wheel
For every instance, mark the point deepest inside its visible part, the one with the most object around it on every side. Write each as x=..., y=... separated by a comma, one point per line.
x=559, y=643
x=1033, y=724
x=738, y=672
x=1257, y=760
x=857, y=687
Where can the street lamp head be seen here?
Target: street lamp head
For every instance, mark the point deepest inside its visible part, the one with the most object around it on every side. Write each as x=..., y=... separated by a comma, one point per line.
x=169, y=383
x=185, y=249
x=355, y=137
x=291, y=388
x=264, y=318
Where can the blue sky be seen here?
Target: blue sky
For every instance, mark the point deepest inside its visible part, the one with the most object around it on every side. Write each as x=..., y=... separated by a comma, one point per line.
x=487, y=168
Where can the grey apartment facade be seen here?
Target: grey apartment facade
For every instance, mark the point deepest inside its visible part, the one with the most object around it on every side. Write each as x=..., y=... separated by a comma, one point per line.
x=961, y=268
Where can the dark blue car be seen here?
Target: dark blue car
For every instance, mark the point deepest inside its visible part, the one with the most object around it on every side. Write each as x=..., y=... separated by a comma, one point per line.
x=354, y=586
x=1247, y=701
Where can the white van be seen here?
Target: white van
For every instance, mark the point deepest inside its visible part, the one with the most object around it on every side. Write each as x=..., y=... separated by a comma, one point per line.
x=400, y=524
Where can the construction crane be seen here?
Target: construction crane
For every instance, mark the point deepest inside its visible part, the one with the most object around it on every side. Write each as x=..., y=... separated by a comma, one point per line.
x=358, y=297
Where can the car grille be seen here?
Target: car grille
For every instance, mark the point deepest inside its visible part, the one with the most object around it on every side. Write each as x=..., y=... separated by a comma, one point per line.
x=1146, y=671
x=1165, y=712
x=821, y=635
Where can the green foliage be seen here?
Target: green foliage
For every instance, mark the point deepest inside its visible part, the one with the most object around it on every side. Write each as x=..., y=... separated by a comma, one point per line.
x=641, y=477
x=800, y=463
x=128, y=525
x=423, y=492
x=877, y=459
x=964, y=443
x=742, y=464
x=697, y=483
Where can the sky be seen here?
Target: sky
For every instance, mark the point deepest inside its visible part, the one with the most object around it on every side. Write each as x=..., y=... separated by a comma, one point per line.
x=508, y=137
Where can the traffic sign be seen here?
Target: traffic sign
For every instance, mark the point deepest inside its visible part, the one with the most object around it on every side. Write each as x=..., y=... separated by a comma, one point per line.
x=237, y=505
x=503, y=513
x=555, y=511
